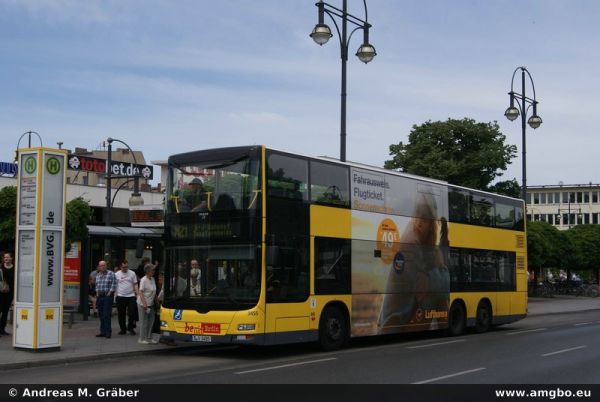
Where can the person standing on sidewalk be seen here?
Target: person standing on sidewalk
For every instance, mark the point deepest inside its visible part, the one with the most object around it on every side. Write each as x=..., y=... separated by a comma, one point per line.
x=106, y=285
x=6, y=298
x=145, y=302
x=127, y=289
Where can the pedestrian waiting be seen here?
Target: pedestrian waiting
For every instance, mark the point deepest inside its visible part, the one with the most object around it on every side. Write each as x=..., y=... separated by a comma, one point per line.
x=106, y=285
x=146, y=305
x=127, y=289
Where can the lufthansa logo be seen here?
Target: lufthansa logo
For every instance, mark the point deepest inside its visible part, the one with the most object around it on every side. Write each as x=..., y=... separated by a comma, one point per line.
x=53, y=165
x=30, y=165
x=399, y=263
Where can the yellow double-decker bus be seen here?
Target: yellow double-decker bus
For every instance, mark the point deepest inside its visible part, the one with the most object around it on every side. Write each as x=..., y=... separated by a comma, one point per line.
x=269, y=247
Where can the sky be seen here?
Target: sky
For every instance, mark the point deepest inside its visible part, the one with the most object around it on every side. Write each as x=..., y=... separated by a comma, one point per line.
x=171, y=76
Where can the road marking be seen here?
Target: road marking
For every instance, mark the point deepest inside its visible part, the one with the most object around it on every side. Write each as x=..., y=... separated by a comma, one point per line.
x=435, y=344
x=564, y=351
x=449, y=376
x=583, y=323
x=526, y=331
x=286, y=365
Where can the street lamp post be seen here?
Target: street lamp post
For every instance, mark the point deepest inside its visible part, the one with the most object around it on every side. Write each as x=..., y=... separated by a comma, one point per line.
x=366, y=52
x=576, y=211
x=135, y=199
x=512, y=113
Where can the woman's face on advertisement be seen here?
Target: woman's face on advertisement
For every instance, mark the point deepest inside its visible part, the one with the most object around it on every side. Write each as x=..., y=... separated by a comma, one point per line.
x=425, y=230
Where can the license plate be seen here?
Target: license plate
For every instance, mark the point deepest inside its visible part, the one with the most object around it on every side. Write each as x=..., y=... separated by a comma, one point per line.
x=201, y=338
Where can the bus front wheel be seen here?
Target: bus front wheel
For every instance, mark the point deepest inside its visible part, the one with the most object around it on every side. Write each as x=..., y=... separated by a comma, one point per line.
x=333, y=329
x=458, y=319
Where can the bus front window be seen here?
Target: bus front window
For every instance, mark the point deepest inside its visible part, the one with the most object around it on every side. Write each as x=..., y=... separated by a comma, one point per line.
x=227, y=276
x=225, y=186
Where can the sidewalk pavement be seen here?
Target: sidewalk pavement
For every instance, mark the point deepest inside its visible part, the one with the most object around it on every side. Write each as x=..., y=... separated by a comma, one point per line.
x=80, y=343
x=562, y=304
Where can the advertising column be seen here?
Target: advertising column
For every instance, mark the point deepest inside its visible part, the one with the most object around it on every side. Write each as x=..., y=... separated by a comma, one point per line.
x=40, y=248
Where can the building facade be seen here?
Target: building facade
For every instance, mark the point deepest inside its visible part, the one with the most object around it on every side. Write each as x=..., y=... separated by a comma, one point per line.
x=564, y=205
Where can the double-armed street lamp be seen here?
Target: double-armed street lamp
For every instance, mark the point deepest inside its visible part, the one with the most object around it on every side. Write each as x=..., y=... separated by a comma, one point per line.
x=135, y=199
x=513, y=112
x=573, y=214
x=366, y=52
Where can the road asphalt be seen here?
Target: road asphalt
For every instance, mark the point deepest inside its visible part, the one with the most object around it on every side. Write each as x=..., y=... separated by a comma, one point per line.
x=80, y=343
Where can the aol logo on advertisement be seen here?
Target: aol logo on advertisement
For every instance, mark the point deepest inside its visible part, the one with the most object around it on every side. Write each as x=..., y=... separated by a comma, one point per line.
x=53, y=165
x=30, y=165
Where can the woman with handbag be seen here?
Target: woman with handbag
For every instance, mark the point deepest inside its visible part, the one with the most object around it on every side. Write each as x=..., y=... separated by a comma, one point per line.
x=7, y=280
x=145, y=304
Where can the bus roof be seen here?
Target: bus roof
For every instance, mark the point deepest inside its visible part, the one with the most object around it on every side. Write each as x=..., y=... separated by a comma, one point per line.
x=233, y=153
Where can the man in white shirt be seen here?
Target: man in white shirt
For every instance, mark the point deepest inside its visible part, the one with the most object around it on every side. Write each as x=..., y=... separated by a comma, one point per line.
x=127, y=289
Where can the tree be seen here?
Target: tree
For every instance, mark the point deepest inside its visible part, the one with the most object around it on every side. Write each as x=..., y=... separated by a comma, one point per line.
x=586, y=248
x=547, y=247
x=8, y=216
x=462, y=152
x=79, y=214
x=507, y=187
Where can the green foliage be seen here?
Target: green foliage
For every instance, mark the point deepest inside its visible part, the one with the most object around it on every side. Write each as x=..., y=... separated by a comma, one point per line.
x=8, y=214
x=586, y=246
x=547, y=247
x=462, y=152
x=79, y=214
x=507, y=187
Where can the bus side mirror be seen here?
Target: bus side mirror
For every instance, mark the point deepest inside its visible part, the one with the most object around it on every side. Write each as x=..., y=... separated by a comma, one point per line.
x=272, y=255
x=139, y=248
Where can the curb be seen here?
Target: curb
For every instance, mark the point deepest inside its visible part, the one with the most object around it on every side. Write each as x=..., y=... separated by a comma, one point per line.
x=105, y=356
x=587, y=310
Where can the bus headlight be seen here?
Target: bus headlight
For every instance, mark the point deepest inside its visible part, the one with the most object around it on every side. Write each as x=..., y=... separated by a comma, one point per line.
x=163, y=324
x=246, y=327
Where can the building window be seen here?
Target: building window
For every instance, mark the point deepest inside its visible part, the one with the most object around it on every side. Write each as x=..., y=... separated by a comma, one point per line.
x=557, y=198
x=595, y=219
x=557, y=219
x=571, y=197
x=579, y=197
x=536, y=198
x=594, y=197
x=586, y=196
x=542, y=198
x=565, y=197
x=586, y=218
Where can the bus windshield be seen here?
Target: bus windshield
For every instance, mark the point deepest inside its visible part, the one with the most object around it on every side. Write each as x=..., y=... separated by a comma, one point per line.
x=205, y=187
x=214, y=277
x=213, y=221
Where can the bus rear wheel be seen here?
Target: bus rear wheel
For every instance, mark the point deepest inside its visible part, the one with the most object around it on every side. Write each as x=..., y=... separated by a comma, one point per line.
x=483, y=319
x=457, y=318
x=333, y=329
